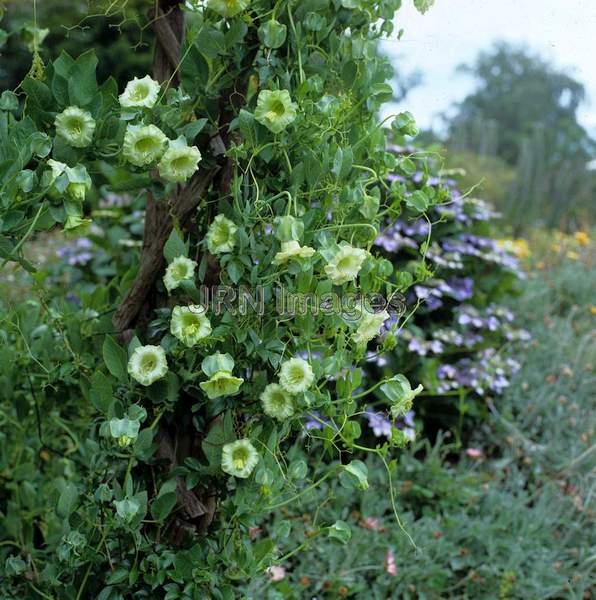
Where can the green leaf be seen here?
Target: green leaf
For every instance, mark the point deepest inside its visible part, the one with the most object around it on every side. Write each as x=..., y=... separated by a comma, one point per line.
x=82, y=81
x=358, y=473
x=191, y=130
x=272, y=34
x=101, y=393
x=221, y=432
x=115, y=358
x=417, y=200
x=9, y=101
x=175, y=246
x=67, y=500
x=163, y=505
x=40, y=144
x=423, y=5
x=400, y=393
x=340, y=531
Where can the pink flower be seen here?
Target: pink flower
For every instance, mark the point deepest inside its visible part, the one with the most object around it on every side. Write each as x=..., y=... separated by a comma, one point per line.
x=254, y=532
x=276, y=573
x=474, y=453
x=371, y=523
x=390, y=566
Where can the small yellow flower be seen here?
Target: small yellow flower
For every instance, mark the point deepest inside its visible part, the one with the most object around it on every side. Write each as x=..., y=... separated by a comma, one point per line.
x=572, y=255
x=582, y=238
x=593, y=310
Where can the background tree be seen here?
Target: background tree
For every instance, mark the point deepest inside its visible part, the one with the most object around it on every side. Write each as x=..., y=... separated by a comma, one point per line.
x=525, y=112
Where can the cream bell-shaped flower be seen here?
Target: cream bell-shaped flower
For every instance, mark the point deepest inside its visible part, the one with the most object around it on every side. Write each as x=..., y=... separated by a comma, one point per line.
x=143, y=144
x=147, y=364
x=345, y=264
x=190, y=324
x=221, y=236
x=221, y=383
x=75, y=126
x=275, y=110
x=140, y=93
x=228, y=8
x=239, y=458
x=277, y=402
x=179, y=270
x=369, y=326
x=296, y=375
x=218, y=367
x=292, y=250
x=179, y=161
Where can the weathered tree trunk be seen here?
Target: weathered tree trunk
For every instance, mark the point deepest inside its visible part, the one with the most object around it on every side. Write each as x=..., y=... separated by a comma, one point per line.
x=161, y=214
x=196, y=508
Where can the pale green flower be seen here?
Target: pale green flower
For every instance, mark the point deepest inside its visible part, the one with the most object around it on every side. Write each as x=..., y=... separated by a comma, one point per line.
x=222, y=383
x=57, y=168
x=275, y=110
x=346, y=264
x=147, y=364
x=369, y=326
x=140, y=93
x=277, y=403
x=292, y=250
x=79, y=182
x=179, y=270
x=221, y=236
x=239, y=458
x=72, y=181
x=218, y=367
x=296, y=375
x=75, y=126
x=124, y=430
x=143, y=144
x=190, y=324
x=228, y=8
x=179, y=162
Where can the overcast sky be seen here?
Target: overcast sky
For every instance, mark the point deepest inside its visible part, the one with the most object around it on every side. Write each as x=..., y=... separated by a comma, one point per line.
x=453, y=31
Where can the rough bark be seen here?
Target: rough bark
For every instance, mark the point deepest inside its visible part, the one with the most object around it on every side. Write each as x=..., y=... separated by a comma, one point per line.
x=196, y=507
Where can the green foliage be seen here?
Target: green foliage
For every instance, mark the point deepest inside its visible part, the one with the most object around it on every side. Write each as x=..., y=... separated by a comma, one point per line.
x=164, y=457
x=514, y=520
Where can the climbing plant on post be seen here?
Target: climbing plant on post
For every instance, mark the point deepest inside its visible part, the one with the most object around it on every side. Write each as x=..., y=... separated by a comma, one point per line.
x=256, y=153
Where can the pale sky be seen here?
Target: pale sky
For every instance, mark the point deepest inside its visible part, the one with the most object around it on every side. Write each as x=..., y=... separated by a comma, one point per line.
x=453, y=31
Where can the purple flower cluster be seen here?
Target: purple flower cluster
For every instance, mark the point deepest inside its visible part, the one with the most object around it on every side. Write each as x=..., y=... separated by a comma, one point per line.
x=381, y=424
x=487, y=372
x=78, y=253
x=433, y=290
